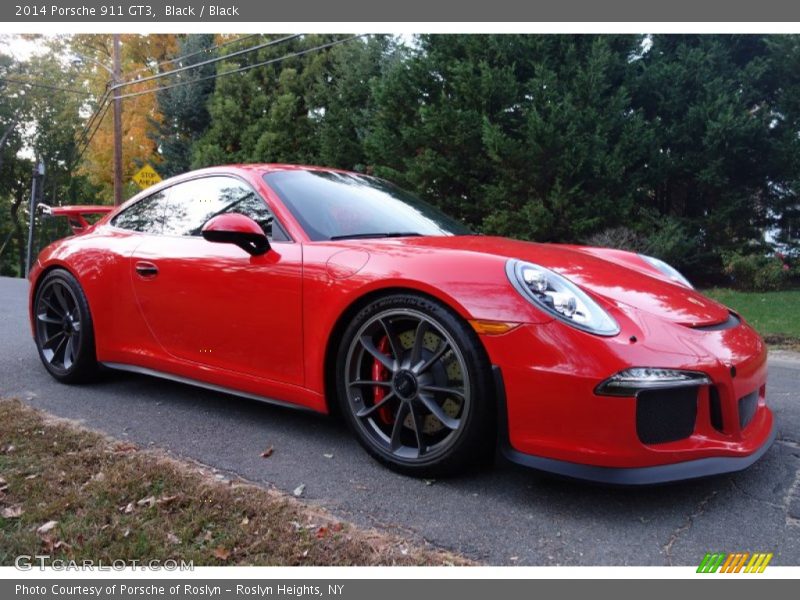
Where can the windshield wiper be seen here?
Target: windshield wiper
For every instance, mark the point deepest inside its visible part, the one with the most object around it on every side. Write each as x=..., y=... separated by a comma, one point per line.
x=387, y=234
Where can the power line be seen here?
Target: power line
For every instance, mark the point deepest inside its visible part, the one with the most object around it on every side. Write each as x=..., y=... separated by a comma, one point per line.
x=44, y=86
x=215, y=76
x=101, y=105
x=91, y=137
x=245, y=68
x=203, y=63
x=196, y=52
x=105, y=97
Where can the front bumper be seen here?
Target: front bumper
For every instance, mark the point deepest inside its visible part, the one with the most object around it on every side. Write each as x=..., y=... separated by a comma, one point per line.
x=666, y=473
x=552, y=419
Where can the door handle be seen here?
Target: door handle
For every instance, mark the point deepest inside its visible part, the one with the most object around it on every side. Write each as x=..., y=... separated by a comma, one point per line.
x=146, y=269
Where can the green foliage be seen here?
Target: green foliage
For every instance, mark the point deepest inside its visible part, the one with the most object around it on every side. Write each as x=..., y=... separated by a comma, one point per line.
x=184, y=108
x=684, y=147
x=756, y=272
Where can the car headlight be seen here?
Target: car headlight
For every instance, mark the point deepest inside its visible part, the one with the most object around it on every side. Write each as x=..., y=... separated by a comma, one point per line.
x=671, y=272
x=557, y=295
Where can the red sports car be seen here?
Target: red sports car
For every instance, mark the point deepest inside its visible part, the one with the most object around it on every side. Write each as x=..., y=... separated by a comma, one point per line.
x=337, y=291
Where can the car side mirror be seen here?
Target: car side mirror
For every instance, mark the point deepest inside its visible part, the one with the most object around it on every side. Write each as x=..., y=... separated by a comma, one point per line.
x=240, y=230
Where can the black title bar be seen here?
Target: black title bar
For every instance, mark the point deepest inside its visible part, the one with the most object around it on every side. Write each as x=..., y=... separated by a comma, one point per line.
x=441, y=11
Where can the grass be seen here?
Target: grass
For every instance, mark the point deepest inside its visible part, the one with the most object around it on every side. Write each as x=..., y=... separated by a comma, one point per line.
x=775, y=315
x=111, y=501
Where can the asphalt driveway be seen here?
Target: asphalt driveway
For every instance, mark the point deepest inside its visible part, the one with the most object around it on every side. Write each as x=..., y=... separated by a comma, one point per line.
x=503, y=515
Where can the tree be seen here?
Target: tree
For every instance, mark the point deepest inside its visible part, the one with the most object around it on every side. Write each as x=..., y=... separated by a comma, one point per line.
x=141, y=56
x=184, y=108
x=722, y=144
x=266, y=114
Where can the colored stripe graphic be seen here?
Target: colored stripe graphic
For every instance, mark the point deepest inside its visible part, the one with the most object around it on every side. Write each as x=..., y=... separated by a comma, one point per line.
x=711, y=562
x=734, y=562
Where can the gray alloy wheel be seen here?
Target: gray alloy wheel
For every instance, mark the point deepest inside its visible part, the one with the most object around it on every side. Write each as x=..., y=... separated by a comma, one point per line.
x=413, y=385
x=63, y=328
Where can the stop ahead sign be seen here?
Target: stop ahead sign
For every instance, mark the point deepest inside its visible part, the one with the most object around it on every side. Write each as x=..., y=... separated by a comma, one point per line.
x=146, y=176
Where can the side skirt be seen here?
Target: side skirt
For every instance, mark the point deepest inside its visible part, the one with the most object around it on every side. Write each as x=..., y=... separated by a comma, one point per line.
x=202, y=384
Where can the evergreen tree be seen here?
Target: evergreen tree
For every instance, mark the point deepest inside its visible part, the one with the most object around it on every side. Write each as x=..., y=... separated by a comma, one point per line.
x=184, y=108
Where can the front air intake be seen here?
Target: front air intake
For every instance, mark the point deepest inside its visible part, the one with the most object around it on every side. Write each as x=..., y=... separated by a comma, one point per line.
x=666, y=415
x=747, y=408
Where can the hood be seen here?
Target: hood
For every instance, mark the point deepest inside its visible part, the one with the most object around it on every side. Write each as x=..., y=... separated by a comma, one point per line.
x=613, y=281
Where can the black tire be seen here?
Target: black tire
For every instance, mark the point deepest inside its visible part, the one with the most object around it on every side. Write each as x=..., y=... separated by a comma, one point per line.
x=434, y=369
x=64, y=331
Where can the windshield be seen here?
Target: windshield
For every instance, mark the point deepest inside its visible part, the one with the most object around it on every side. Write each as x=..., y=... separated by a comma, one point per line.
x=331, y=206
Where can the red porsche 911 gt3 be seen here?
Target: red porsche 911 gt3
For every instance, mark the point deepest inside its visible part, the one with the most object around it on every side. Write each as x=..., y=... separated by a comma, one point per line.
x=332, y=290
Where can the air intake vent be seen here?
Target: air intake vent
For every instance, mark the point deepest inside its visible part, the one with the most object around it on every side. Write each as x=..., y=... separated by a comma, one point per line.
x=666, y=415
x=747, y=408
x=715, y=408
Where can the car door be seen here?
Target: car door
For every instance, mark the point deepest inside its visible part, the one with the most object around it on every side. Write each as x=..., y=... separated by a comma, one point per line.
x=213, y=303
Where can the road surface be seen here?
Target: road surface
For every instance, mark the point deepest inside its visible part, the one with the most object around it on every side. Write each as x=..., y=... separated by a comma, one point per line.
x=502, y=515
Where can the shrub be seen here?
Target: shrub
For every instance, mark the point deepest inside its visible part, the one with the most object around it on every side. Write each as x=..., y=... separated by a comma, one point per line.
x=621, y=238
x=757, y=273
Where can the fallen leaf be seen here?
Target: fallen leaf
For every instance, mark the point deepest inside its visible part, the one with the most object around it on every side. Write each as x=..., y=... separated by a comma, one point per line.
x=322, y=532
x=268, y=452
x=127, y=509
x=125, y=447
x=47, y=527
x=100, y=477
x=245, y=521
x=305, y=552
x=31, y=476
x=327, y=455
x=164, y=500
x=127, y=532
x=221, y=553
x=9, y=449
x=208, y=537
x=149, y=501
x=12, y=512
x=60, y=544
x=173, y=539
x=298, y=491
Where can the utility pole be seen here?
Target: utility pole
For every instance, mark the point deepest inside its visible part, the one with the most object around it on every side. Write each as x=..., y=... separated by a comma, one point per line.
x=36, y=185
x=116, y=80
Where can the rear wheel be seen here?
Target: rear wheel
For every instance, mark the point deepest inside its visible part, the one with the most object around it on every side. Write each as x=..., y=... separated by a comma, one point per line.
x=64, y=330
x=413, y=383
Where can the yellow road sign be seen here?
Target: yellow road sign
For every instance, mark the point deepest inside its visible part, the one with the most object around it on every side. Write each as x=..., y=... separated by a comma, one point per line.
x=146, y=177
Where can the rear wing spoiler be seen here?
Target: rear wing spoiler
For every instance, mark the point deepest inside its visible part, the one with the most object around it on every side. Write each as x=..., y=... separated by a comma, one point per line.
x=75, y=214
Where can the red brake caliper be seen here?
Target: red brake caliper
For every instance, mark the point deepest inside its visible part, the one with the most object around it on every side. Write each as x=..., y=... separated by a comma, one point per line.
x=381, y=373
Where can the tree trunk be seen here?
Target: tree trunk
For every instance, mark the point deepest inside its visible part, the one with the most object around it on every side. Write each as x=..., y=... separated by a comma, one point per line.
x=9, y=130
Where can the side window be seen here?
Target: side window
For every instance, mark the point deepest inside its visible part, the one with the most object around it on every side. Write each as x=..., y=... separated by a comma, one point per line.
x=193, y=203
x=145, y=216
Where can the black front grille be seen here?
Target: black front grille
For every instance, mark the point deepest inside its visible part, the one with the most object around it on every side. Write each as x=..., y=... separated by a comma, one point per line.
x=747, y=408
x=666, y=415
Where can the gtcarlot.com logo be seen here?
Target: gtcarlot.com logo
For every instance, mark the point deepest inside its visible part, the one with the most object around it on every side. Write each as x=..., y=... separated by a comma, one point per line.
x=736, y=562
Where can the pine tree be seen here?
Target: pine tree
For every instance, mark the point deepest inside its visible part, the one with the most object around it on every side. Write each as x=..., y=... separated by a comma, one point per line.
x=184, y=108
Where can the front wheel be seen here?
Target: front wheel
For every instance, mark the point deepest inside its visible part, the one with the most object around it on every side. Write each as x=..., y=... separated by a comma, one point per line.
x=63, y=328
x=414, y=385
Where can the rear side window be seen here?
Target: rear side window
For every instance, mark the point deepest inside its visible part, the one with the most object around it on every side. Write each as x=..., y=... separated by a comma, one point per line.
x=145, y=216
x=192, y=203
